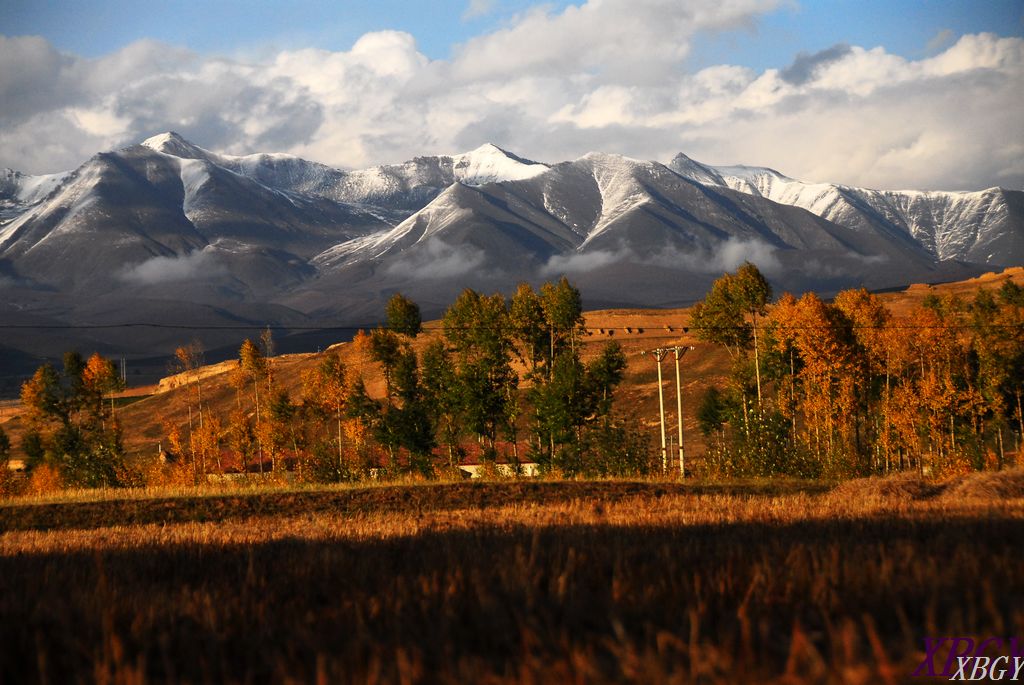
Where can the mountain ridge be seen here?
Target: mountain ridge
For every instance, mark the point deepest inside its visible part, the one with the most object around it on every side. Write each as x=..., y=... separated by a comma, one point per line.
x=277, y=239
x=935, y=219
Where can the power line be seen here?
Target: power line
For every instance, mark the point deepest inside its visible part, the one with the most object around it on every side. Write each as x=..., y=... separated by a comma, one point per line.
x=600, y=329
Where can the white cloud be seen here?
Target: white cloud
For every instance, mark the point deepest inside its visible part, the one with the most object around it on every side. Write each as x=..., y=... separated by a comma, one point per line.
x=438, y=260
x=583, y=262
x=173, y=269
x=605, y=75
x=940, y=40
x=728, y=256
x=477, y=8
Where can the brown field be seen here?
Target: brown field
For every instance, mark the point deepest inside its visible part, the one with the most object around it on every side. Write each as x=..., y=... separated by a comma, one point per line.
x=510, y=582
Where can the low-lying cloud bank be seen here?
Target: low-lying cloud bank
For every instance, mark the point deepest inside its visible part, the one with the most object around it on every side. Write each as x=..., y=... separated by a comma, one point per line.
x=729, y=256
x=551, y=85
x=438, y=260
x=156, y=270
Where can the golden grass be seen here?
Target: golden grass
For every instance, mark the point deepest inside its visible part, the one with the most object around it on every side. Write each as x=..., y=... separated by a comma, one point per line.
x=634, y=511
x=504, y=583
x=987, y=485
x=910, y=486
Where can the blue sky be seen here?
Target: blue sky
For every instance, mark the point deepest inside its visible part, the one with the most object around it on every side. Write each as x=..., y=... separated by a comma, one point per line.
x=878, y=93
x=91, y=29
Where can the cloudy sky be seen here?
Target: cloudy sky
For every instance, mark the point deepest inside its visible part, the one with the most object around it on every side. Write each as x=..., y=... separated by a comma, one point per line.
x=877, y=93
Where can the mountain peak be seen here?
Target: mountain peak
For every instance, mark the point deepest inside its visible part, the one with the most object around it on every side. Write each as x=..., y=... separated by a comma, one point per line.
x=490, y=163
x=171, y=143
x=695, y=171
x=719, y=175
x=489, y=148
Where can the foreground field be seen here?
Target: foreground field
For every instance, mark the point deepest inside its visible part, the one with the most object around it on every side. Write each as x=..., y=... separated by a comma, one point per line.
x=509, y=582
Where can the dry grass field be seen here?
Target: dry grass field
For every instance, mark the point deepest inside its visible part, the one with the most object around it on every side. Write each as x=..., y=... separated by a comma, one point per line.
x=509, y=582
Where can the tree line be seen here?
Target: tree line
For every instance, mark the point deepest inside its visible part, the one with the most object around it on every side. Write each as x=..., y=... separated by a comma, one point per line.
x=461, y=388
x=505, y=379
x=815, y=389
x=847, y=388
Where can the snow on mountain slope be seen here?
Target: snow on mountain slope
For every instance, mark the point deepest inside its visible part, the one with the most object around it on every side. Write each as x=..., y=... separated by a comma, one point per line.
x=60, y=213
x=618, y=183
x=490, y=220
x=490, y=164
x=442, y=211
x=145, y=211
x=167, y=226
x=272, y=219
x=408, y=186
x=170, y=143
x=32, y=189
x=19, y=191
x=615, y=209
x=415, y=183
x=979, y=226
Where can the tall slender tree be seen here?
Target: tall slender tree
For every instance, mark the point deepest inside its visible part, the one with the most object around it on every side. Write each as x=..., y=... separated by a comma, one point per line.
x=403, y=316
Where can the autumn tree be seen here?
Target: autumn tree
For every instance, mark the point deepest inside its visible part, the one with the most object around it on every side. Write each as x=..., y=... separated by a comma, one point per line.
x=996, y=349
x=442, y=396
x=476, y=328
x=70, y=426
x=575, y=397
x=529, y=327
x=403, y=316
x=386, y=348
x=326, y=392
x=99, y=379
x=5, y=447
x=188, y=358
x=870, y=356
x=563, y=313
x=252, y=371
x=403, y=422
x=729, y=313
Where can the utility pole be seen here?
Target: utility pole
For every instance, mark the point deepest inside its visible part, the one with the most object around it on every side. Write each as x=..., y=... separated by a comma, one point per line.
x=679, y=352
x=659, y=354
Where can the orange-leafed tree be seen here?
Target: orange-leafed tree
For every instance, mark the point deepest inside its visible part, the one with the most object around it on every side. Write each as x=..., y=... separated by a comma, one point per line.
x=70, y=427
x=326, y=392
x=869, y=320
x=252, y=368
x=823, y=338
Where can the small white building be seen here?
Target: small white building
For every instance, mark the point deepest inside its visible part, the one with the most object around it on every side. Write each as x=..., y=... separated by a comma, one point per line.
x=526, y=469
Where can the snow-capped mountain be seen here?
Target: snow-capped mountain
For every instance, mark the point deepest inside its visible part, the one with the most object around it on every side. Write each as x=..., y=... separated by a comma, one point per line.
x=625, y=230
x=144, y=217
x=169, y=231
x=18, y=191
x=403, y=187
x=982, y=226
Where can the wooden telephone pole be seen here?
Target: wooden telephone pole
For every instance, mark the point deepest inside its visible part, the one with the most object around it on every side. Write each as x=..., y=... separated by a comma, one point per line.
x=659, y=354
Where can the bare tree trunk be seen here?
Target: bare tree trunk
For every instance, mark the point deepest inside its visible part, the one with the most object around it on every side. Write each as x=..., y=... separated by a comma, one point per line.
x=199, y=390
x=259, y=438
x=952, y=436
x=1020, y=415
x=192, y=443
x=339, y=440
x=757, y=365
x=792, y=396
x=1002, y=456
x=886, y=410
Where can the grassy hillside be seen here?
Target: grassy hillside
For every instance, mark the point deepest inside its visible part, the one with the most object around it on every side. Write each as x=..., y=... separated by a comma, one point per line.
x=145, y=421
